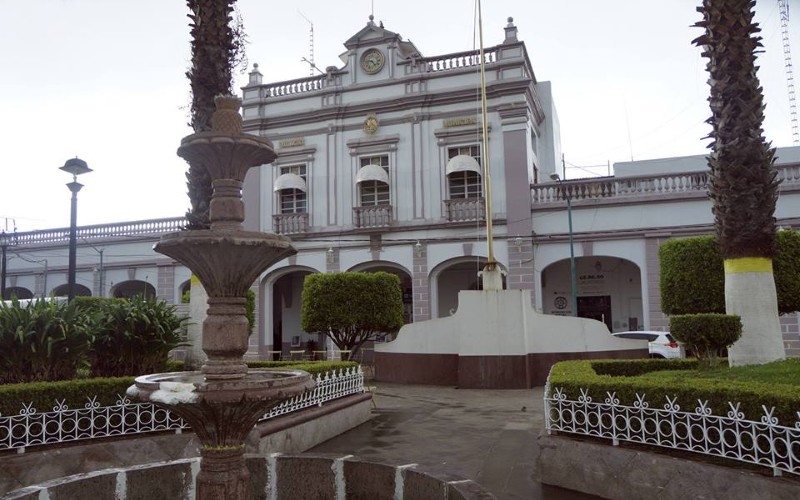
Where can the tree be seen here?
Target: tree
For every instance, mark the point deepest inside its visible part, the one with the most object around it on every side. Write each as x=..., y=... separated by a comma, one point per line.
x=743, y=185
x=352, y=307
x=217, y=47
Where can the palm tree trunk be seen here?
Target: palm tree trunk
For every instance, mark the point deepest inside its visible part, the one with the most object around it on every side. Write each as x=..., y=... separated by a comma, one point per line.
x=743, y=185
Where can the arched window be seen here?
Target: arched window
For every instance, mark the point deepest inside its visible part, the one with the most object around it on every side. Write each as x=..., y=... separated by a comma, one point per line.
x=464, y=172
x=373, y=181
x=291, y=188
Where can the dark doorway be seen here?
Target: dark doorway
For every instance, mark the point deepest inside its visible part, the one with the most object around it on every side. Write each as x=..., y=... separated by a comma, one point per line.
x=597, y=307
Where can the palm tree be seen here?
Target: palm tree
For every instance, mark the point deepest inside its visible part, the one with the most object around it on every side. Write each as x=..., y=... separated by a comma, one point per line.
x=217, y=47
x=743, y=185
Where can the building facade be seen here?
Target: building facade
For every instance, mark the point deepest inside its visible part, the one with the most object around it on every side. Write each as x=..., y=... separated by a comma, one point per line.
x=380, y=168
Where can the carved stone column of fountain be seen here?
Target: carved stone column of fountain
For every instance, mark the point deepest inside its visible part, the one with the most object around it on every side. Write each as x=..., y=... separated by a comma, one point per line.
x=224, y=400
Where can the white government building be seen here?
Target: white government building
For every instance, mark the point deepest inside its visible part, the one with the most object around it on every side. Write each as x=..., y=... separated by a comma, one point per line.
x=375, y=173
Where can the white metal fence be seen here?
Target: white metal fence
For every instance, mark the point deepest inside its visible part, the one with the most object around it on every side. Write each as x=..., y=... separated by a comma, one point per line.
x=762, y=442
x=62, y=424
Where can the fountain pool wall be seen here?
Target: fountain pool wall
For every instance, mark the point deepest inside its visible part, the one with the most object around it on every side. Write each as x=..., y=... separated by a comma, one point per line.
x=272, y=477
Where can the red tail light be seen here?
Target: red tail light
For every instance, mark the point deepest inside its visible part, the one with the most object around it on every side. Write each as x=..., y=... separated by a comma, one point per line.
x=673, y=344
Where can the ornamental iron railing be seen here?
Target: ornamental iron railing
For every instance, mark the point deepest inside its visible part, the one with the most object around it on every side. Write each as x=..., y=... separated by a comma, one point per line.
x=762, y=442
x=62, y=424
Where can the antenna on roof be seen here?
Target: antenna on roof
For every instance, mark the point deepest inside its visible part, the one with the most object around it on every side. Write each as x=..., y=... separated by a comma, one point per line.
x=310, y=60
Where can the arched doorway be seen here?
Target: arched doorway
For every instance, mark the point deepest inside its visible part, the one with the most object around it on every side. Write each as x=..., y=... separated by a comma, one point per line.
x=132, y=288
x=609, y=290
x=17, y=292
x=281, y=294
x=63, y=291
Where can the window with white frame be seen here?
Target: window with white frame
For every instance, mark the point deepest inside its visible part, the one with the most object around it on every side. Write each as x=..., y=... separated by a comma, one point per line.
x=292, y=189
x=465, y=183
x=373, y=180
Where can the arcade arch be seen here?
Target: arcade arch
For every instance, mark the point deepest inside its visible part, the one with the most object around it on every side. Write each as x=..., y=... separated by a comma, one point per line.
x=450, y=277
x=609, y=290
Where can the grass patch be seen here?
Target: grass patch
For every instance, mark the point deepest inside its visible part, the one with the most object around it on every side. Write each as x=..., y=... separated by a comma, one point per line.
x=786, y=372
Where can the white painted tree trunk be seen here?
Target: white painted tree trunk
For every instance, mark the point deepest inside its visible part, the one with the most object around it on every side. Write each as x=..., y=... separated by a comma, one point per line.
x=752, y=296
x=198, y=306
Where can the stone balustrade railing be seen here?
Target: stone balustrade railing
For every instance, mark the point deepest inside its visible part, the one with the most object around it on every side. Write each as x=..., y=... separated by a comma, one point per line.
x=627, y=187
x=290, y=223
x=298, y=86
x=152, y=227
x=448, y=62
x=375, y=216
x=465, y=209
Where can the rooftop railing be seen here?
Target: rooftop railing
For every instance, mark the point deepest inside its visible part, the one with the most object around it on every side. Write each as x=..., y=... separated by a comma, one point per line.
x=628, y=187
x=120, y=229
x=448, y=62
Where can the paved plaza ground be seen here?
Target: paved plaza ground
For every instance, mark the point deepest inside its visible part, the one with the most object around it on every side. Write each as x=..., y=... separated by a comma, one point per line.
x=488, y=436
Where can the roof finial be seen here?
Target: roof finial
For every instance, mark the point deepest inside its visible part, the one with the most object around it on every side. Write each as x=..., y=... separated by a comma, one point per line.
x=511, y=32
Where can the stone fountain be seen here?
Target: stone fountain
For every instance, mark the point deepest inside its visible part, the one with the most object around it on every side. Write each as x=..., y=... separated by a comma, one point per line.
x=223, y=401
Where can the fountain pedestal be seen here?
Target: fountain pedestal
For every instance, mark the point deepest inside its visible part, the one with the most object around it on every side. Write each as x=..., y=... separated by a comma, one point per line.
x=223, y=401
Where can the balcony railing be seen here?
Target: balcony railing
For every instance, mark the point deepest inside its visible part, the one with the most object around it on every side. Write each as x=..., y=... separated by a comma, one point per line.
x=626, y=187
x=290, y=223
x=375, y=216
x=465, y=209
x=152, y=227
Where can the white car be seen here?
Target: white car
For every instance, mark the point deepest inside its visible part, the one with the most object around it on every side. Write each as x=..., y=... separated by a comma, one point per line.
x=661, y=344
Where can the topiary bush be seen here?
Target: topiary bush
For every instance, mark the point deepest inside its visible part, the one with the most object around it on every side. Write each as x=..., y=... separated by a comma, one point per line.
x=692, y=276
x=706, y=334
x=133, y=337
x=351, y=307
x=41, y=340
x=787, y=271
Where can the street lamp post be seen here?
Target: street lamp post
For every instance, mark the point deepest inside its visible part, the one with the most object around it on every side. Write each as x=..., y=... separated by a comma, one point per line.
x=3, y=261
x=76, y=167
x=572, y=273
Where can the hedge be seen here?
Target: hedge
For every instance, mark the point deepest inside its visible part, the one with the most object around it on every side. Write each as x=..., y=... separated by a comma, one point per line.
x=599, y=378
x=76, y=393
x=693, y=278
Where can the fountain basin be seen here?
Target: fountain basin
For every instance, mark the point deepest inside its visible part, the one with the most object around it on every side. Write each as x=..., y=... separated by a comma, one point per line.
x=226, y=262
x=191, y=388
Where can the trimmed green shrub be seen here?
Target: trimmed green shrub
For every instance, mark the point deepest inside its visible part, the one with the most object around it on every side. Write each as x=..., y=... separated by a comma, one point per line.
x=43, y=396
x=706, y=335
x=42, y=340
x=133, y=337
x=693, y=277
x=312, y=367
x=351, y=307
x=107, y=391
x=787, y=271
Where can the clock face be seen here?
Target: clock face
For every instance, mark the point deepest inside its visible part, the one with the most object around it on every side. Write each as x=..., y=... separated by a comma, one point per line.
x=372, y=61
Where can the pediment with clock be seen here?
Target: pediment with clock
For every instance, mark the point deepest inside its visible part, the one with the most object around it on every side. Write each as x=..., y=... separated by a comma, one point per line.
x=374, y=50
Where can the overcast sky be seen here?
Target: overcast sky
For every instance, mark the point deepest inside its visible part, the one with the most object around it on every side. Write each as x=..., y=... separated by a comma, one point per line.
x=104, y=80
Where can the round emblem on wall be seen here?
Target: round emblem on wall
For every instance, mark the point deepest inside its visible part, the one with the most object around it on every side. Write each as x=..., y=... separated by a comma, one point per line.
x=372, y=61
x=371, y=124
x=560, y=302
